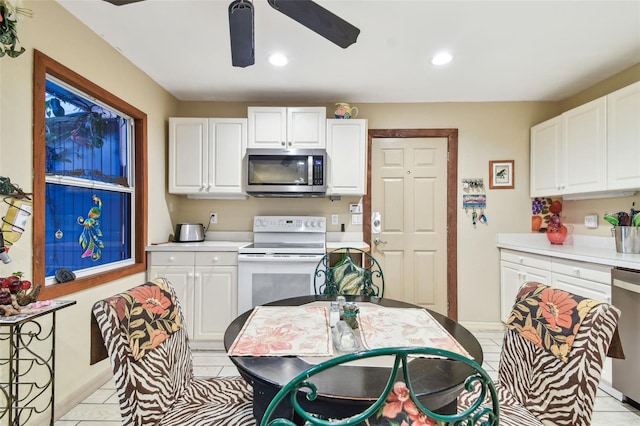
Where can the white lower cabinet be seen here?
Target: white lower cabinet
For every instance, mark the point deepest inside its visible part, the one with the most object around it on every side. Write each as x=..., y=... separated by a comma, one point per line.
x=206, y=284
x=583, y=279
x=517, y=268
x=586, y=280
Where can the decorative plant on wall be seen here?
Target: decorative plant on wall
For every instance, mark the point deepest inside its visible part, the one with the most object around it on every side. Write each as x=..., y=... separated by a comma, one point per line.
x=10, y=11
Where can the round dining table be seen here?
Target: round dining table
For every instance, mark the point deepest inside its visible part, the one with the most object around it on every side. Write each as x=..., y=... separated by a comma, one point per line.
x=436, y=382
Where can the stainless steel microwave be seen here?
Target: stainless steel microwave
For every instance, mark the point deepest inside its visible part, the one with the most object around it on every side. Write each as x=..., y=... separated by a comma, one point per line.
x=285, y=173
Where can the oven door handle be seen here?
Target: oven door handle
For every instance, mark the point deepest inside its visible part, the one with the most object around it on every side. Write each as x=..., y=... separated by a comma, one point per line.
x=280, y=258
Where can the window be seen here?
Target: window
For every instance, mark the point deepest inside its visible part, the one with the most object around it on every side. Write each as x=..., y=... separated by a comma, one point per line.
x=89, y=181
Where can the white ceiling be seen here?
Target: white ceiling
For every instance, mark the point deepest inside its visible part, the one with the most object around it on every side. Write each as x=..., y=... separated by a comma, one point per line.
x=503, y=50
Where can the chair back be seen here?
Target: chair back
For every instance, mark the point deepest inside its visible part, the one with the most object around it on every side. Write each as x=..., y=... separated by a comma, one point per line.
x=558, y=388
x=356, y=273
x=397, y=403
x=148, y=348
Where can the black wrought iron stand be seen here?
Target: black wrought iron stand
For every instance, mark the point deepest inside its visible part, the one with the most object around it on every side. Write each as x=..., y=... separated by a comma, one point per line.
x=27, y=358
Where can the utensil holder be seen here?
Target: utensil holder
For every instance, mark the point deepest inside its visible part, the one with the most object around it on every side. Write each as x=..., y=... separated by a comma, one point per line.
x=627, y=239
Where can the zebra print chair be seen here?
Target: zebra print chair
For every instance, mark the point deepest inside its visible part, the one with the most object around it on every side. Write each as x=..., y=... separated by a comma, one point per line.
x=538, y=387
x=149, y=351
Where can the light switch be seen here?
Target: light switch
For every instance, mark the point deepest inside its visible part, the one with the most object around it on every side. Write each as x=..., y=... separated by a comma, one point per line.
x=334, y=219
x=356, y=219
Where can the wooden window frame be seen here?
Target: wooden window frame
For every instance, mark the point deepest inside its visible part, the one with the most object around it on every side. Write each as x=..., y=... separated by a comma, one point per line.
x=43, y=66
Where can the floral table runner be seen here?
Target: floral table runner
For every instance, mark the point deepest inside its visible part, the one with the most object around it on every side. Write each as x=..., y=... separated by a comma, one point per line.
x=382, y=327
x=285, y=330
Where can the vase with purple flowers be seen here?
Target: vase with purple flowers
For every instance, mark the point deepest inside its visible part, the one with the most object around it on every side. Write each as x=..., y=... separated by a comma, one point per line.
x=556, y=231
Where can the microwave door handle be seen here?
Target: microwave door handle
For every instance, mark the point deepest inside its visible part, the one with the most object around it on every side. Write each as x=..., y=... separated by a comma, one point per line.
x=310, y=170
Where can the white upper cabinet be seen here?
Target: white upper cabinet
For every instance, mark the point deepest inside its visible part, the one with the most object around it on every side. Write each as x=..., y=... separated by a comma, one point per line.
x=188, y=155
x=282, y=127
x=546, y=158
x=589, y=151
x=346, y=152
x=585, y=145
x=205, y=156
x=623, y=138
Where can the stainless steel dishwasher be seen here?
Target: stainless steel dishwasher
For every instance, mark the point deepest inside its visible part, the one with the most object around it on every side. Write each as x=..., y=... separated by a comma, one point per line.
x=626, y=297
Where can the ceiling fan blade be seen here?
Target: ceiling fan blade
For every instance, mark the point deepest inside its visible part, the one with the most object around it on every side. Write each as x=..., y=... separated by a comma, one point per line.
x=122, y=2
x=241, y=32
x=319, y=20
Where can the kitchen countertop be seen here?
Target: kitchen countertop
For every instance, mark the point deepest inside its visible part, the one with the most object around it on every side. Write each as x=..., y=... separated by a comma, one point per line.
x=231, y=241
x=200, y=246
x=214, y=241
x=584, y=248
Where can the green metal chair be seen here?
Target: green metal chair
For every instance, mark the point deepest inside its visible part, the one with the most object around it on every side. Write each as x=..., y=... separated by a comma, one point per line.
x=357, y=273
x=397, y=404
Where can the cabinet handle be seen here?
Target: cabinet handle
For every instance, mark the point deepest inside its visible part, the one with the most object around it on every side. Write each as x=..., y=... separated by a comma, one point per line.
x=190, y=274
x=282, y=143
x=290, y=143
x=171, y=258
x=216, y=259
x=520, y=259
x=576, y=271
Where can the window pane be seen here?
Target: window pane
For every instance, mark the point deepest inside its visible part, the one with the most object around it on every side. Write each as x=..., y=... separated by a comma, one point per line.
x=84, y=139
x=86, y=227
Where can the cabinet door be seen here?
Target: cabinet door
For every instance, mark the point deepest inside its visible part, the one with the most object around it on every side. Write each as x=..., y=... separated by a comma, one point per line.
x=346, y=152
x=267, y=127
x=585, y=148
x=546, y=157
x=188, y=155
x=306, y=127
x=510, y=282
x=623, y=138
x=512, y=277
x=228, y=144
x=182, y=280
x=215, y=299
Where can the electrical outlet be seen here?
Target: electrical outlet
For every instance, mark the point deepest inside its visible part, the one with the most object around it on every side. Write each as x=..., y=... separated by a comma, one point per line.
x=213, y=218
x=334, y=219
x=591, y=221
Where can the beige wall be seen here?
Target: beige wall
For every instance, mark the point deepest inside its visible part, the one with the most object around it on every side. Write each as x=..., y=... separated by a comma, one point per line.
x=57, y=34
x=487, y=131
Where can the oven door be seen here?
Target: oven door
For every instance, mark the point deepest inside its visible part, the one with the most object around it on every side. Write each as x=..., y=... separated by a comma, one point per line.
x=264, y=278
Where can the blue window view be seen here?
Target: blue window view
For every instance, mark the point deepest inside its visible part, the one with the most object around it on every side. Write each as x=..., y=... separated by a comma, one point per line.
x=88, y=189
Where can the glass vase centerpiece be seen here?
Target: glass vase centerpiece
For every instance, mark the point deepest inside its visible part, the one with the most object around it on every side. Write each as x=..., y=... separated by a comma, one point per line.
x=556, y=231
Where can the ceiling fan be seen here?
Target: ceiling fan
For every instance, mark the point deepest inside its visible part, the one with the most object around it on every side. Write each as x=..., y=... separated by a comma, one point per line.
x=306, y=12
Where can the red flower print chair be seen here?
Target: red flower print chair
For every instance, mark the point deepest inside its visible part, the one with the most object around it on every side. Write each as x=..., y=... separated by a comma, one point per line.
x=552, y=357
x=147, y=343
x=397, y=403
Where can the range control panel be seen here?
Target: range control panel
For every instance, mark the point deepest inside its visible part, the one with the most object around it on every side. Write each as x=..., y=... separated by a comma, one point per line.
x=289, y=224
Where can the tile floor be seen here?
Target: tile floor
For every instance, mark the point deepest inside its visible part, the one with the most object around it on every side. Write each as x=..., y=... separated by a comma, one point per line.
x=101, y=408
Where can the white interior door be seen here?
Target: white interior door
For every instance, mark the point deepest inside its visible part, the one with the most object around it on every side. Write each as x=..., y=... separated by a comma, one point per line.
x=409, y=190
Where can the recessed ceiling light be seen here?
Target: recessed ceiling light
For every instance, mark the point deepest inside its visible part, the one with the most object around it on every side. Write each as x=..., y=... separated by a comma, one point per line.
x=441, y=58
x=278, y=59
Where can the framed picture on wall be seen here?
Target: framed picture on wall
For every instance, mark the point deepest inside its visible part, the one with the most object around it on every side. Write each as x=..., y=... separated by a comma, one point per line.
x=501, y=174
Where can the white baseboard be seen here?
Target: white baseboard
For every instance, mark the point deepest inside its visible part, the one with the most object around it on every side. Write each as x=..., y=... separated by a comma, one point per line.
x=63, y=407
x=482, y=326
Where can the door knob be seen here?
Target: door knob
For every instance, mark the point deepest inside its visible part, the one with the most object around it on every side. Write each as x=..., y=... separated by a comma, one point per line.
x=378, y=241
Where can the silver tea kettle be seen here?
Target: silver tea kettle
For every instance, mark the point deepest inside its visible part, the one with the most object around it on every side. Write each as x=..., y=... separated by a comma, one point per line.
x=189, y=233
